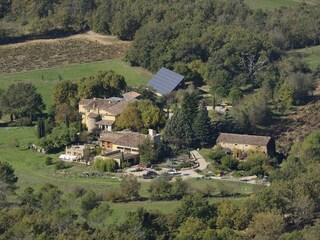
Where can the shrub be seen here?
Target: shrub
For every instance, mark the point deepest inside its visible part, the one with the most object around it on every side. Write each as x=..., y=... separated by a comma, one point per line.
x=48, y=161
x=60, y=165
x=217, y=155
x=229, y=162
x=105, y=165
x=79, y=191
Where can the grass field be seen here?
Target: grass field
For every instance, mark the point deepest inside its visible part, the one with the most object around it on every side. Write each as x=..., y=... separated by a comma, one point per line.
x=45, y=79
x=311, y=55
x=272, y=4
x=30, y=168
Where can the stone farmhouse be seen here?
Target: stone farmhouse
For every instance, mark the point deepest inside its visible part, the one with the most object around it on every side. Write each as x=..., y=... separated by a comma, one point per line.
x=240, y=145
x=124, y=144
x=99, y=114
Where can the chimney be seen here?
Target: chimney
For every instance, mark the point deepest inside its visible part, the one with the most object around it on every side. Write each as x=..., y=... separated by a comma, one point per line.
x=152, y=132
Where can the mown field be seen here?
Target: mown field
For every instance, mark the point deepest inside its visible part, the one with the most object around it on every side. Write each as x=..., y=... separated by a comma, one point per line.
x=311, y=55
x=45, y=62
x=271, y=4
x=45, y=79
x=30, y=168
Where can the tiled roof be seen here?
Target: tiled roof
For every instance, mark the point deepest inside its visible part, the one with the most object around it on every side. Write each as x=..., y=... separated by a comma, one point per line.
x=99, y=103
x=243, y=139
x=113, y=106
x=85, y=101
x=93, y=115
x=131, y=95
x=117, y=108
x=124, y=138
x=105, y=122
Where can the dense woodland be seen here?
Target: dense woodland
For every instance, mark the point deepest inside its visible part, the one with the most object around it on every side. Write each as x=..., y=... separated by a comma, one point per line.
x=241, y=54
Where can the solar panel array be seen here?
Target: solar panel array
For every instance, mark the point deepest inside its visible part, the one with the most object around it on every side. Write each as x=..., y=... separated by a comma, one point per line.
x=165, y=81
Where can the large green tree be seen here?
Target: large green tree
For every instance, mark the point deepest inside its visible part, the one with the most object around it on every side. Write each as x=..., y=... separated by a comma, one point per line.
x=21, y=100
x=178, y=130
x=104, y=84
x=202, y=126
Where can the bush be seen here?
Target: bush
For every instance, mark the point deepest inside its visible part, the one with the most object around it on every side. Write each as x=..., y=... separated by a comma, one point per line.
x=79, y=191
x=229, y=162
x=26, y=121
x=60, y=165
x=105, y=165
x=48, y=161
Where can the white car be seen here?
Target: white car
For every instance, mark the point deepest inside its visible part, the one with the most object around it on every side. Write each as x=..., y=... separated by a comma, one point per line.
x=171, y=172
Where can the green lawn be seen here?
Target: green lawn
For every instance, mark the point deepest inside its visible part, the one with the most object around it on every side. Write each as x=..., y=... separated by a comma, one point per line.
x=271, y=4
x=311, y=55
x=45, y=79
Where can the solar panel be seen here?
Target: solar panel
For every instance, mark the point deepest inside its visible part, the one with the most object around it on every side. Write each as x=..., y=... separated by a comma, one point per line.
x=165, y=81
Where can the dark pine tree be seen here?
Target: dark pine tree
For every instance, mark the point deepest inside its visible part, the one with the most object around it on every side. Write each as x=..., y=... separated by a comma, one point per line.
x=178, y=131
x=189, y=106
x=41, y=131
x=202, y=127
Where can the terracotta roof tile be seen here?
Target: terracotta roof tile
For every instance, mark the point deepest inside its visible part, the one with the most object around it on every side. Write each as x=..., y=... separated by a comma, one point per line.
x=131, y=95
x=243, y=139
x=124, y=138
x=117, y=108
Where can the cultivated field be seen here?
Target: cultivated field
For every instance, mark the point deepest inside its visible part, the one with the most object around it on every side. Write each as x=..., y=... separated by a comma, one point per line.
x=44, y=62
x=30, y=168
x=39, y=54
x=271, y=4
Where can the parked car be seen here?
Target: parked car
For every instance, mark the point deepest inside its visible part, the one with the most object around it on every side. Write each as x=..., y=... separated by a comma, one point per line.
x=150, y=175
x=171, y=172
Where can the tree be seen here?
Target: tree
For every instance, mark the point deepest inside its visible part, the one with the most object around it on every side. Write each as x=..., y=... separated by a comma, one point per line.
x=235, y=95
x=202, y=126
x=180, y=188
x=89, y=201
x=267, y=225
x=21, y=100
x=190, y=105
x=7, y=181
x=149, y=152
x=98, y=215
x=130, y=118
x=140, y=114
x=196, y=206
x=103, y=85
x=192, y=229
x=178, y=130
x=130, y=187
x=160, y=189
x=41, y=131
x=65, y=92
x=49, y=197
x=65, y=113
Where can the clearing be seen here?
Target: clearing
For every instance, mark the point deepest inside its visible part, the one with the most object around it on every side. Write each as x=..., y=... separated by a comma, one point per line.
x=272, y=4
x=310, y=54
